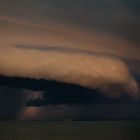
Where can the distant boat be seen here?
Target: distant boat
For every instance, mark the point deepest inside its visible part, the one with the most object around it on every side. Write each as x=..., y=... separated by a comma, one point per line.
x=67, y=120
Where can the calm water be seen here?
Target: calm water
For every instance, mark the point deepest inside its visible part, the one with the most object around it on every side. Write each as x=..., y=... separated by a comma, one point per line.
x=91, y=130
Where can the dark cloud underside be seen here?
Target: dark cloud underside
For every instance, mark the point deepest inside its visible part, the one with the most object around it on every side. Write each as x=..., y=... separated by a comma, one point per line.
x=60, y=101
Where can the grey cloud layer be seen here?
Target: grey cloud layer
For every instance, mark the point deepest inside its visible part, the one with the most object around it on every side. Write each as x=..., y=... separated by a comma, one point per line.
x=114, y=17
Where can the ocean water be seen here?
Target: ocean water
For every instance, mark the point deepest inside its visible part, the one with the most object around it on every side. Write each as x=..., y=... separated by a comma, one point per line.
x=76, y=130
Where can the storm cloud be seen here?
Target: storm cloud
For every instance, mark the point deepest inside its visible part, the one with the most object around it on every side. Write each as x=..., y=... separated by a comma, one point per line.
x=81, y=68
x=70, y=57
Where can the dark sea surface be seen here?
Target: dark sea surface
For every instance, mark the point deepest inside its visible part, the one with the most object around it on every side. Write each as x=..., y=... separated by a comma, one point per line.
x=69, y=130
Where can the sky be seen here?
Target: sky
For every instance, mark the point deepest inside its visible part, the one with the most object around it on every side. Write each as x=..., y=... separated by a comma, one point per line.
x=89, y=43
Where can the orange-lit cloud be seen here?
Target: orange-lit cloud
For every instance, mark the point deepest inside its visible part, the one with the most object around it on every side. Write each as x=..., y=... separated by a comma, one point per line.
x=14, y=32
x=78, y=67
x=75, y=26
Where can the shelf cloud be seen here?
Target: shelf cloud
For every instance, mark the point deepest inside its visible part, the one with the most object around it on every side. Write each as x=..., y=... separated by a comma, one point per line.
x=97, y=71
